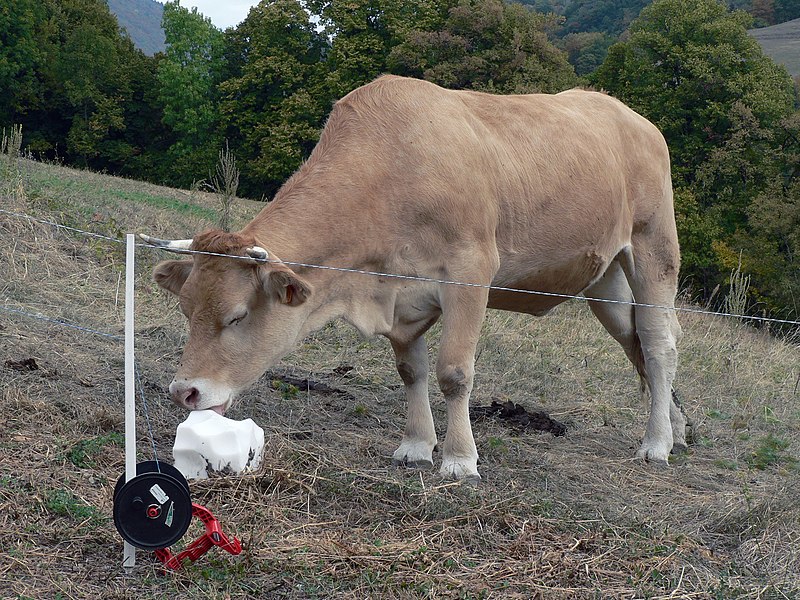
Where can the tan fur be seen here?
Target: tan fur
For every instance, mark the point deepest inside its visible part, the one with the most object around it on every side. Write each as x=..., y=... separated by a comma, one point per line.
x=562, y=193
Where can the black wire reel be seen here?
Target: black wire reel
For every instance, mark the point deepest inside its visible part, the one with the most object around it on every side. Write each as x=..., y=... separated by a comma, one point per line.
x=154, y=509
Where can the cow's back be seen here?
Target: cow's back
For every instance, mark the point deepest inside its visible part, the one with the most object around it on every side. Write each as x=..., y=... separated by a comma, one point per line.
x=552, y=184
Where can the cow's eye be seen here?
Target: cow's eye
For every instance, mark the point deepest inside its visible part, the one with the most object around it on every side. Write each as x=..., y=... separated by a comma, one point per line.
x=235, y=319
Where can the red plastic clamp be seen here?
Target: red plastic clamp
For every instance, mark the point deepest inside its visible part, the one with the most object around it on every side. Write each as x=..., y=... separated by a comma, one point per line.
x=213, y=537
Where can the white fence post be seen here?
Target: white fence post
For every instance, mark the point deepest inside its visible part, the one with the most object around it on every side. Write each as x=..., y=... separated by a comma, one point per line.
x=129, y=552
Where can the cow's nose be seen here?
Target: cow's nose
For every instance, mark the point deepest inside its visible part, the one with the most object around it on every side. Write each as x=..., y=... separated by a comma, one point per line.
x=184, y=395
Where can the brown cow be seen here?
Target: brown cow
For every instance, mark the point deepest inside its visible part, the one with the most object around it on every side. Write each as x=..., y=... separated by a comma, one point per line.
x=563, y=193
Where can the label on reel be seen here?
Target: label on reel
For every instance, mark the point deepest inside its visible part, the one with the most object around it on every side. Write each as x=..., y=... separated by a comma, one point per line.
x=170, y=515
x=159, y=494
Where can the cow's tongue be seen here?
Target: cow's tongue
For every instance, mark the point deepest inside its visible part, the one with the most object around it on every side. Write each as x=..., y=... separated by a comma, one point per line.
x=219, y=409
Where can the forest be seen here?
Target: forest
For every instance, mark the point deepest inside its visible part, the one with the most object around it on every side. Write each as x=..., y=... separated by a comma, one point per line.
x=85, y=96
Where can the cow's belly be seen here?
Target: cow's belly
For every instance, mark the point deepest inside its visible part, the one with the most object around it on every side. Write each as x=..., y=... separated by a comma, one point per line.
x=546, y=282
x=532, y=304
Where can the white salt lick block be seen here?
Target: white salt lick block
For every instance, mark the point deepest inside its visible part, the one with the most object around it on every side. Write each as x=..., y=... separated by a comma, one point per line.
x=207, y=441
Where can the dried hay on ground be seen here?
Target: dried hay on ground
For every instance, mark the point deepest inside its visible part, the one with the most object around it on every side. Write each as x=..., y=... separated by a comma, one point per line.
x=327, y=515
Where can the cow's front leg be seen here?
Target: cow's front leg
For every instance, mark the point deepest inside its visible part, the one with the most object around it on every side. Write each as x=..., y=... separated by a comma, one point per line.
x=419, y=439
x=460, y=456
x=462, y=318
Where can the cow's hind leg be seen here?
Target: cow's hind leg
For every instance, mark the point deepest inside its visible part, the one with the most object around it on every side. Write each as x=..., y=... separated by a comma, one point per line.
x=654, y=283
x=614, y=309
x=419, y=439
x=618, y=316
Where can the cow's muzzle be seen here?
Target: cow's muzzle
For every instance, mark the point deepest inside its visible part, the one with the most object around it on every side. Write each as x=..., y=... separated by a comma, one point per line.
x=184, y=395
x=200, y=394
x=187, y=397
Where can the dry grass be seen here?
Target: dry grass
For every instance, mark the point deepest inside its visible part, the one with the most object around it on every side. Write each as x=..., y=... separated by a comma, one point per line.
x=326, y=515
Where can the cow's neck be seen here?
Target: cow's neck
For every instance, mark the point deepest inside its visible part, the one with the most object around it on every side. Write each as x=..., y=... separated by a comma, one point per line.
x=313, y=218
x=303, y=225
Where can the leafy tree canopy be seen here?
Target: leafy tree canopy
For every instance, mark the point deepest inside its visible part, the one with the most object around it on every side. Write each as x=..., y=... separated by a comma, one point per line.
x=21, y=57
x=274, y=97
x=692, y=69
x=685, y=65
x=486, y=45
x=188, y=76
x=68, y=72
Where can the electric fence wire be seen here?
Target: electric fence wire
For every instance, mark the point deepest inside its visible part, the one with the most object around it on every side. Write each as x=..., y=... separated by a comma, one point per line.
x=683, y=309
x=146, y=414
x=112, y=336
x=84, y=329
x=61, y=322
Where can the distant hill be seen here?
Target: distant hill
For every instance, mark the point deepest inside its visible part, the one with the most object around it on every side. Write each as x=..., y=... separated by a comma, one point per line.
x=782, y=43
x=142, y=20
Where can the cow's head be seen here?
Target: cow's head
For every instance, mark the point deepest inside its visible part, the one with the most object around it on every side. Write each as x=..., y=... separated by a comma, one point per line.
x=243, y=315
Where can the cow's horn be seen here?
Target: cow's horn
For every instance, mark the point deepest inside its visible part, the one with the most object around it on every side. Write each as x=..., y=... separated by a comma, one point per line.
x=258, y=253
x=179, y=246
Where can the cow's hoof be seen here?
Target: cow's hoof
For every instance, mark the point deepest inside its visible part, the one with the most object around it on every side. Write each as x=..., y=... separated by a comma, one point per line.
x=653, y=456
x=679, y=448
x=423, y=464
x=472, y=480
x=414, y=455
x=462, y=470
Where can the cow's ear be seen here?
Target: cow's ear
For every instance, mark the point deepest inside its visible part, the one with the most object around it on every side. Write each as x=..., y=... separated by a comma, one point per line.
x=289, y=287
x=172, y=274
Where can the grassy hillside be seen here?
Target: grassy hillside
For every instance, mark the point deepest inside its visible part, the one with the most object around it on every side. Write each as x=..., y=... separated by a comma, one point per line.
x=142, y=20
x=327, y=515
x=782, y=43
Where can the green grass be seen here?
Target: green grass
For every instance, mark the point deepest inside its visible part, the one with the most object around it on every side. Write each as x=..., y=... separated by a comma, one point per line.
x=84, y=454
x=770, y=452
x=64, y=503
x=286, y=390
x=61, y=193
x=164, y=203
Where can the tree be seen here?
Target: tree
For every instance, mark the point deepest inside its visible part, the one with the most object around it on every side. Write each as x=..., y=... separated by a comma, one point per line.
x=586, y=51
x=770, y=245
x=786, y=10
x=362, y=34
x=273, y=99
x=485, y=45
x=87, y=79
x=21, y=58
x=690, y=67
x=607, y=16
x=71, y=83
x=188, y=77
x=763, y=11
x=145, y=133
x=684, y=66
